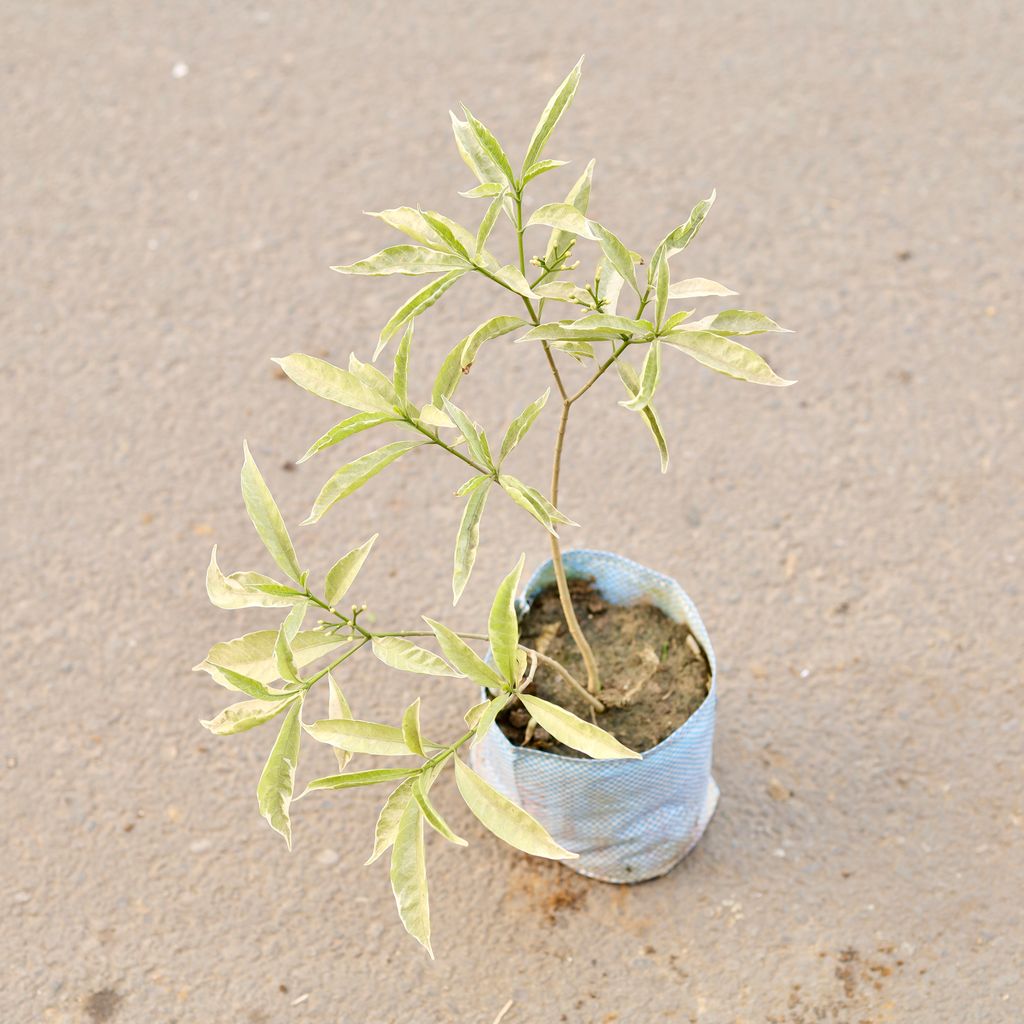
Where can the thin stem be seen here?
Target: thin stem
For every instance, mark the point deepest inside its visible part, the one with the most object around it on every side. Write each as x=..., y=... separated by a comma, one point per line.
x=568, y=677
x=334, y=664
x=435, y=438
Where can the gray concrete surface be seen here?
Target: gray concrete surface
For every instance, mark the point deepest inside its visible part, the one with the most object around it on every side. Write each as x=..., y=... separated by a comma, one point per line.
x=854, y=542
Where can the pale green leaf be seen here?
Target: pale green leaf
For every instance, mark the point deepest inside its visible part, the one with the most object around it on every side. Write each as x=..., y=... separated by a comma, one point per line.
x=400, y=376
x=485, y=191
x=448, y=376
x=333, y=383
x=412, y=223
x=503, y=623
x=431, y=416
x=490, y=145
x=409, y=876
x=347, y=428
x=579, y=199
x=350, y=780
x=512, y=278
x=726, y=356
x=738, y=322
x=402, y=654
x=650, y=372
x=618, y=255
x=285, y=658
x=468, y=540
x=489, y=712
x=541, y=167
x=253, y=654
x=430, y=813
x=277, y=783
x=451, y=234
x=574, y=732
x=359, y=737
x=678, y=239
x=417, y=304
x=251, y=687
x=556, y=107
x=404, y=259
x=564, y=217
x=490, y=218
x=608, y=284
x=517, y=429
x=351, y=477
x=675, y=320
x=337, y=707
x=464, y=658
x=549, y=512
x=610, y=325
x=632, y=382
x=374, y=379
x=502, y=817
x=476, y=158
x=493, y=328
x=245, y=715
x=661, y=304
x=242, y=589
x=390, y=817
x=472, y=484
x=411, y=728
x=266, y=517
x=563, y=291
x=697, y=288
x=344, y=572
x=471, y=431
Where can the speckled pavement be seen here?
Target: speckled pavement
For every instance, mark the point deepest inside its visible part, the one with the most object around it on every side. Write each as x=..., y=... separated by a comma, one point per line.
x=176, y=180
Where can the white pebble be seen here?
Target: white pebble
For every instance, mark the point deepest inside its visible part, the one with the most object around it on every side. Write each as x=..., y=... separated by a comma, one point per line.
x=200, y=845
x=327, y=858
x=180, y=70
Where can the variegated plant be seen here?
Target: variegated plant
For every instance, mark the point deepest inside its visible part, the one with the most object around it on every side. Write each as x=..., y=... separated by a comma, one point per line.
x=276, y=670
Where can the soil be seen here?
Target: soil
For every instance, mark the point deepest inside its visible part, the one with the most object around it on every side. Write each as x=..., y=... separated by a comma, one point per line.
x=654, y=674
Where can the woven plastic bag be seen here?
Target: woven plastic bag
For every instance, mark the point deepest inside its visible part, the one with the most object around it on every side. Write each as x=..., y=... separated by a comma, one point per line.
x=628, y=820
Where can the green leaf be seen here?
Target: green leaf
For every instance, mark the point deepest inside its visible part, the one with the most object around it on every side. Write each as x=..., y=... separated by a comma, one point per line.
x=390, y=817
x=472, y=484
x=351, y=477
x=726, y=356
x=512, y=278
x=579, y=199
x=490, y=145
x=436, y=822
x=502, y=817
x=675, y=320
x=661, y=305
x=575, y=732
x=409, y=876
x=677, y=240
x=242, y=589
x=737, y=322
x=476, y=441
x=448, y=376
x=412, y=223
x=490, y=218
x=449, y=233
x=697, y=288
x=489, y=711
x=632, y=382
x=474, y=155
x=277, y=783
x=493, y=328
x=618, y=255
x=293, y=622
x=534, y=502
x=464, y=658
x=649, y=375
x=542, y=167
x=564, y=217
x=517, y=429
x=345, y=429
x=421, y=301
x=484, y=191
x=332, y=383
x=246, y=715
x=404, y=259
x=608, y=284
x=401, y=372
x=611, y=326
x=374, y=379
x=266, y=517
x=563, y=291
x=468, y=540
x=344, y=572
x=555, y=108
x=337, y=707
x=285, y=659
x=431, y=416
x=359, y=737
x=503, y=624
x=253, y=654
x=252, y=687
x=350, y=780
x=411, y=728
x=398, y=652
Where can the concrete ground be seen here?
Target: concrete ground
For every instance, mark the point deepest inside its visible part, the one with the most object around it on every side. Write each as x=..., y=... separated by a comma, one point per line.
x=854, y=542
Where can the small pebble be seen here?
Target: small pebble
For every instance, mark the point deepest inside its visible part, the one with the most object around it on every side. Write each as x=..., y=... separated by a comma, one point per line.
x=22, y=897
x=327, y=858
x=180, y=70
x=200, y=845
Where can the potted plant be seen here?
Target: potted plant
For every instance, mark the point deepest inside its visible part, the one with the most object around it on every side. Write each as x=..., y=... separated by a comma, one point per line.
x=589, y=735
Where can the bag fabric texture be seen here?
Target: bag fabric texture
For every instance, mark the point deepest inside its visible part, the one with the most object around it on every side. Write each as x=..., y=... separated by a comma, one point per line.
x=628, y=820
